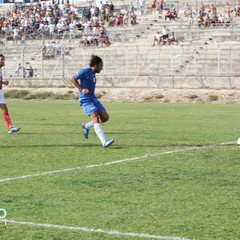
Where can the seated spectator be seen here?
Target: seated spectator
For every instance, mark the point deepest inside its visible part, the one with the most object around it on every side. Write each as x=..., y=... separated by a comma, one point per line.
x=157, y=38
x=125, y=17
x=48, y=50
x=165, y=34
x=169, y=15
x=112, y=21
x=171, y=39
x=133, y=19
x=208, y=21
x=90, y=40
x=200, y=20
x=30, y=72
x=119, y=20
x=214, y=20
x=95, y=40
x=221, y=19
x=237, y=10
x=83, y=41
x=174, y=13
x=104, y=39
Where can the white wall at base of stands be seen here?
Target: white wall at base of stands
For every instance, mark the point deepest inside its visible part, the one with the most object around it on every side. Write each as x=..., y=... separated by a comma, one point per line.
x=173, y=66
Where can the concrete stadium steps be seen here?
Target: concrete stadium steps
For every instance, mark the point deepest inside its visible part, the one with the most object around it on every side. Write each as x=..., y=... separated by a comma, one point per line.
x=165, y=60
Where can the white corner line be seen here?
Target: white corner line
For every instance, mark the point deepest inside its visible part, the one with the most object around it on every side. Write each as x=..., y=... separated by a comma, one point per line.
x=114, y=162
x=84, y=229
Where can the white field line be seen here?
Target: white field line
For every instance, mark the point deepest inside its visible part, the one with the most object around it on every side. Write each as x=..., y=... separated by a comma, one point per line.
x=114, y=162
x=84, y=229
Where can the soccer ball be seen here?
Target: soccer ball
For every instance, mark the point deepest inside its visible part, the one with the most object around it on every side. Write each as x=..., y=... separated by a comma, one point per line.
x=238, y=141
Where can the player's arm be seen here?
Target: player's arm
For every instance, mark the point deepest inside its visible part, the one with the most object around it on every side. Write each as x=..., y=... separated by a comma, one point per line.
x=77, y=85
x=5, y=82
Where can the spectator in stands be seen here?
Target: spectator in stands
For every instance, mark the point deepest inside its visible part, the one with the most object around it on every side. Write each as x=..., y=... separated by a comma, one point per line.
x=237, y=9
x=227, y=10
x=202, y=10
x=51, y=27
x=125, y=17
x=189, y=14
x=214, y=20
x=102, y=13
x=212, y=10
x=92, y=10
x=221, y=20
x=30, y=72
x=119, y=20
x=154, y=6
x=133, y=19
x=208, y=21
x=142, y=6
x=174, y=13
x=71, y=28
x=172, y=39
x=83, y=40
x=49, y=50
x=131, y=8
x=111, y=8
x=112, y=21
x=160, y=6
x=200, y=20
x=169, y=14
x=107, y=11
x=186, y=8
x=16, y=33
x=157, y=38
x=104, y=39
x=18, y=69
x=165, y=34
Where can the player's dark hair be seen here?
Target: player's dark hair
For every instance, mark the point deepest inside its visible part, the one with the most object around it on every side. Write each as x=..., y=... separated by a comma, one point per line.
x=95, y=60
x=1, y=55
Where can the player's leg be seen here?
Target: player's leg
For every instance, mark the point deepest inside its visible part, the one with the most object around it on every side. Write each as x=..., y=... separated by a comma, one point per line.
x=86, y=127
x=99, y=131
x=7, y=119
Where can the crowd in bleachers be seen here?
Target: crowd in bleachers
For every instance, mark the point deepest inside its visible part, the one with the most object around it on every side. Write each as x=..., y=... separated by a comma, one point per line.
x=89, y=24
x=210, y=16
x=60, y=21
x=206, y=16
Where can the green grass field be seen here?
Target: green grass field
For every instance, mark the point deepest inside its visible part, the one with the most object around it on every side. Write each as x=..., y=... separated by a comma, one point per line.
x=167, y=176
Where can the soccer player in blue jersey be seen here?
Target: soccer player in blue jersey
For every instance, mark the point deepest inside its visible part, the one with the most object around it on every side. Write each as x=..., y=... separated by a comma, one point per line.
x=85, y=81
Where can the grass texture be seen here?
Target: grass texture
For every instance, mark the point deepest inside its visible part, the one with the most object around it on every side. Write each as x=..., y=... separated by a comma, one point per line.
x=166, y=177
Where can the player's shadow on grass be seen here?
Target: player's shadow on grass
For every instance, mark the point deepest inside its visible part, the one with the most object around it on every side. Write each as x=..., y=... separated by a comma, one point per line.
x=52, y=145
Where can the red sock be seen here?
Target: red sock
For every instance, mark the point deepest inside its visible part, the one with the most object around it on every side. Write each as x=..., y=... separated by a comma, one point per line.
x=7, y=119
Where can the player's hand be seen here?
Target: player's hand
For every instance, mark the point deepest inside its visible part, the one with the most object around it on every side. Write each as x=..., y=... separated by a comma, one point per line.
x=6, y=82
x=85, y=91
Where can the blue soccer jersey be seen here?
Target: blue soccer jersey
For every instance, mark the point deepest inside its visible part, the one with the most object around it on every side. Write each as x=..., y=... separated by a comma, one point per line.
x=87, y=79
x=89, y=103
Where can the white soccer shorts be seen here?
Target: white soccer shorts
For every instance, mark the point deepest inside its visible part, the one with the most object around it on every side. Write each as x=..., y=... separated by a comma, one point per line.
x=2, y=98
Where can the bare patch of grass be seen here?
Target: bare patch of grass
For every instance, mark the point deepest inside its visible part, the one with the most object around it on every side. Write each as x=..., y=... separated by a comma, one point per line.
x=213, y=97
